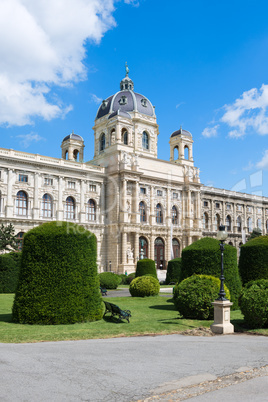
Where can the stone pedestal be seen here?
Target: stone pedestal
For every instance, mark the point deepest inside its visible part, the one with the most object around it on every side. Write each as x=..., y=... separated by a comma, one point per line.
x=222, y=323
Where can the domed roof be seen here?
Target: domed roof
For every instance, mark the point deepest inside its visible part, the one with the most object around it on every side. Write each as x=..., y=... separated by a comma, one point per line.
x=73, y=136
x=181, y=131
x=126, y=100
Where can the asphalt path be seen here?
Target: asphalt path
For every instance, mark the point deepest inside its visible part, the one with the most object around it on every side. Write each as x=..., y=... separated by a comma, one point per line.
x=136, y=368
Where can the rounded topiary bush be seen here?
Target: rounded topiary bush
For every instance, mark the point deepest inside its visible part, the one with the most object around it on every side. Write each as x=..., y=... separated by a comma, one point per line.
x=146, y=266
x=194, y=295
x=144, y=286
x=9, y=271
x=109, y=280
x=203, y=257
x=253, y=260
x=130, y=278
x=173, y=271
x=254, y=304
x=58, y=280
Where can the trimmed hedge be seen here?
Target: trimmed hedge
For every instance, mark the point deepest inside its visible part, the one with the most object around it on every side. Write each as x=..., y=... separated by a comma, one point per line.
x=9, y=272
x=146, y=266
x=58, y=281
x=143, y=286
x=194, y=295
x=254, y=304
x=174, y=271
x=204, y=257
x=253, y=261
x=130, y=278
x=109, y=280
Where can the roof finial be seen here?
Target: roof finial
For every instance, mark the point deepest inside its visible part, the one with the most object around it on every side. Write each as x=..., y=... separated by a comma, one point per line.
x=181, y=129
x=127, y=69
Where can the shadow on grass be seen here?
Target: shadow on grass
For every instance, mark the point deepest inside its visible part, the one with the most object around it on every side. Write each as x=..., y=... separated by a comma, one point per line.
x=113, y=320
x=163, y=307
x=6, y=317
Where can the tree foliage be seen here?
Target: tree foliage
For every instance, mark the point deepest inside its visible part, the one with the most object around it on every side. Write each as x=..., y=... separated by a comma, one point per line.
x=8, y=240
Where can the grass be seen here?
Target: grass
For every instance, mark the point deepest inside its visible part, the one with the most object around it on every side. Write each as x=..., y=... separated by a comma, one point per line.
x=152, y=315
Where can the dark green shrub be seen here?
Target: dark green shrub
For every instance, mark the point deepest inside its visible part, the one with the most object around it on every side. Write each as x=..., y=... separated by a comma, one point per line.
x=173, y=271
x=9, y=272
x=109, y=280
x=253, y=261
x=254, y=304
x=143, y=286
x=203, y=257
x=146, y=266
x=194, y=295
x=58, y=281
x=130, y=278
x=123, y=279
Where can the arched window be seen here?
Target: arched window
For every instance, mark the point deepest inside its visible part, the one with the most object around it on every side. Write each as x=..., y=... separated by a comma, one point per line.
x=125, y=137
x=249, y=224
x=47, y=206
x=70, y=208
x=102, y=142
x=20, y=239
x=159, y=214
x=145, y=140
x=228, y=223
x=66, y=155
x=76, y=154
x=174, y=214
x=176, y=153
x=175, y=248
x=230, y=243
x=239, y=224
x=217, y=222
x=91, y=210
x=159, y=253
x=143, y=248
x=259, y=223
x=205, y=221
x=21, y=203
x=142, y=211
x=112, y=136
x=186, y=153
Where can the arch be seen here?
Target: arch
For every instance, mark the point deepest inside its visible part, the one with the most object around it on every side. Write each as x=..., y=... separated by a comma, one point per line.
x=124, y=136
x=19, y=237
x=159, y=214
x=159, y=253
x=186, y=152
x=91, y=210
x=142, y=211
x=76, y=154
x=175, y=215
x=259, y=223
x=217, y=222
x=21, y=203
x=145, y=140
x=102, y=142
x=66, y=155
x=143, y=248
x=47, y=206
x=228, y=223
x=239, y=224
x=176, y=248
x=176, y=153
x=112, y=136
x=70, y=208
x=230, y=243
x=249, y=224
x=205, y=221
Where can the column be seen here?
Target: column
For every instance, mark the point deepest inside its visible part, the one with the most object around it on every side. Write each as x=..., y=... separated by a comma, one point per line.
x=136, y=247
x=36, y=200
x=9, y=205
x=152, y=207
x=124, y=248
x=168, y=211
x=60, y=201
x=117, y=133
x=234, y=218
x=213, y=228
x=136, y=203
x=82, y=216
x=223, y=213
x=151, y=245
x=102, y=204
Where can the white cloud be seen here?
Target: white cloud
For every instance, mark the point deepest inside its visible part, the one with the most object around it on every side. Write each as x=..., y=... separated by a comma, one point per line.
x=263, y=164
x=42, y=44
x=96, y=99
x=179, y=104
x=27, y=139
x=209, y=132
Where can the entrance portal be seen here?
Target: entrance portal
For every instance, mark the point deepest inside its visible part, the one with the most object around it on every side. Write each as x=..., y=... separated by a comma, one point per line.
x=159, y=253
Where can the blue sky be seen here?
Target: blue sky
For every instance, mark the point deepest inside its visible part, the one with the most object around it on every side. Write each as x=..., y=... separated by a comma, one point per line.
x=203, y=64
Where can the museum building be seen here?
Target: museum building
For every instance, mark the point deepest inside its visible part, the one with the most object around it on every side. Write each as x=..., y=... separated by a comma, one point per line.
x=137, y=205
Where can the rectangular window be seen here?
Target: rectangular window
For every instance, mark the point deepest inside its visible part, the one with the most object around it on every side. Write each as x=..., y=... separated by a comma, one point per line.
x=239, y=207
x=175, y=195
x=228, y=206
x=48, y=181
x=23, y=178
x=259, y=210
x=92, y=187
x=159, y=193
x=217, y=205
x=71, y=184
x=143, y=190
x=249, y=209
x=205, y=203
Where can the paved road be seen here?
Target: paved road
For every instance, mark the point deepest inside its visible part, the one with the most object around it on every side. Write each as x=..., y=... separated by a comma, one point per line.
x=131, y=369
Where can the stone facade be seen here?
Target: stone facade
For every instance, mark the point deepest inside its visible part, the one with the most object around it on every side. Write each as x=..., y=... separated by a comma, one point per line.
x=136, y=204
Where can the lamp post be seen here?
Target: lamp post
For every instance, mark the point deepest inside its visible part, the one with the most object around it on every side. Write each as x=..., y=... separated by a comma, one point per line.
x=222, y=236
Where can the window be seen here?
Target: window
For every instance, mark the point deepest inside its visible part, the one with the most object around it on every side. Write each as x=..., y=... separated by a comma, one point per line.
x=217, y=222
x=259, y=210
x=174, y=214
x=228, y=223
x=205, y=203
x=159, y=214
x=102, y=142
x=47, y=206
x=228, y=207
x=123, y=100
x=92, y=187
x=144, y=102
x=48, y=181
x=249, y=224
x=145, y=140
x=71, y=184
x=217, y=205
x=159, y=193
x=19, y=240
x=23, y=178
x=259, y=223
x=239, y=224
x=175, y=195
x=125, y=137
x=239, y=207
x=142, y=211
x=143, y=190
x=205, y=221
x=91, y=210
x=249, y=209
x=21, y=203
x=69, y=208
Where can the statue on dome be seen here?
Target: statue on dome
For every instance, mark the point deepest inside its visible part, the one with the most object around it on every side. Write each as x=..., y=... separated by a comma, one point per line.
x=127, y=69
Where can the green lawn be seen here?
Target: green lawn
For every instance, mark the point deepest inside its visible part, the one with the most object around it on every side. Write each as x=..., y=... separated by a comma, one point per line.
x=152, y=315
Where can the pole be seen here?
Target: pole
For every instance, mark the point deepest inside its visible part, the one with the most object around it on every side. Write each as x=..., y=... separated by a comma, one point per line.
x=222, y=292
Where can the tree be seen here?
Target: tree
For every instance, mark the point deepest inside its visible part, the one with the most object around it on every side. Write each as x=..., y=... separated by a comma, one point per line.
x=8, y=239
x=256, y=232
